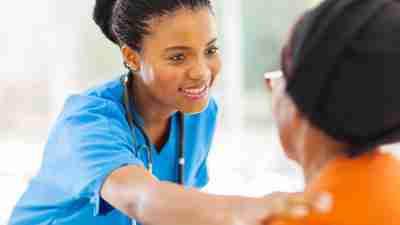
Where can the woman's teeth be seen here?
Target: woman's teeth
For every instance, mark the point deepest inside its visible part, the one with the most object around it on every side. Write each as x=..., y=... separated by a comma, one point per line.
x=196, y=92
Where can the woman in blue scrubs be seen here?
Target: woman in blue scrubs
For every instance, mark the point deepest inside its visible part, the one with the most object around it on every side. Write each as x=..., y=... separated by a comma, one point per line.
x=135, y=148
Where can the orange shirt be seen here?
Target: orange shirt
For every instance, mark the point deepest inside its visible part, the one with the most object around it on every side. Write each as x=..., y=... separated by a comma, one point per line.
x=365, y=191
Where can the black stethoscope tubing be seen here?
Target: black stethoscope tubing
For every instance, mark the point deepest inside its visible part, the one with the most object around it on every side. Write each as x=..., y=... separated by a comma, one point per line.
x=133, y=123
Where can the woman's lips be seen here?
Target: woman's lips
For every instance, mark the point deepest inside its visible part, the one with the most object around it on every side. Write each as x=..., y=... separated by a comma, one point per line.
x=196, y=93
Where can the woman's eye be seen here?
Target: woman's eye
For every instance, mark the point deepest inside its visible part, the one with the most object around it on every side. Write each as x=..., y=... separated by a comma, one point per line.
x=212, y=51
x=177, y=58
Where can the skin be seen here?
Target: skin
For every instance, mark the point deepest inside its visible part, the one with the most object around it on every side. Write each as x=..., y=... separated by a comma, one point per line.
x=313, y=150
x=136, y=192
x=180, y=53
x=302, y=142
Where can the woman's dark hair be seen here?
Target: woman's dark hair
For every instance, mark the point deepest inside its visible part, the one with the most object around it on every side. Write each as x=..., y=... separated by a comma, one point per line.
x=125, y=21
x=343, y=71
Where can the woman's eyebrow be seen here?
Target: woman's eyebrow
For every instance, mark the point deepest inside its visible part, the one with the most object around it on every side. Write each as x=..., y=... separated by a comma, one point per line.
x=175, y=48
x=212, y=41
x=182, y=47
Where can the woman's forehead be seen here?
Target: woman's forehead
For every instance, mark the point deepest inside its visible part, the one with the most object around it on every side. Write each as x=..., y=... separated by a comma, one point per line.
x=184, y=27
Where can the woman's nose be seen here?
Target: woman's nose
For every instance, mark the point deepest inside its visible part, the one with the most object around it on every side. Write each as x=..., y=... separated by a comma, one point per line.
x=268, y=84
x=200, y=71
x=270, y=79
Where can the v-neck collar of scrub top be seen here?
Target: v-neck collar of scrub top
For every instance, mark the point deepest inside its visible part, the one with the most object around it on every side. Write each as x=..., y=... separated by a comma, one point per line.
x=171, y=132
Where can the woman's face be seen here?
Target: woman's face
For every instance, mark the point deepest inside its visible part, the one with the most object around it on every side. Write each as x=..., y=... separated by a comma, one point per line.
x=285, y=115
x=179, y=60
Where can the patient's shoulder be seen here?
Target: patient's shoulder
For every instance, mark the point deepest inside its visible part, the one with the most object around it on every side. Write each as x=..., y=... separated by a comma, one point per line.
x=368, y=175
x=365, y=191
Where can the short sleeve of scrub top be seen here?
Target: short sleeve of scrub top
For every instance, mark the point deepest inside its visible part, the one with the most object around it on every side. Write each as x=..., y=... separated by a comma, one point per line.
x=93, y=142
x=89, y=141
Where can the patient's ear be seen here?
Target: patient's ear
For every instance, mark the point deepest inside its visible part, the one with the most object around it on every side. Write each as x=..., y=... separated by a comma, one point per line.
x=291, y=124
x=300, y=130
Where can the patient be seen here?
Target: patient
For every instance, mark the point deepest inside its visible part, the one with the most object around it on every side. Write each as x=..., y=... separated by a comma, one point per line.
x=338, y=103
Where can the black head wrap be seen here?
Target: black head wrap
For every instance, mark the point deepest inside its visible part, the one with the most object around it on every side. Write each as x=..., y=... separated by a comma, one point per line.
x=343, y=70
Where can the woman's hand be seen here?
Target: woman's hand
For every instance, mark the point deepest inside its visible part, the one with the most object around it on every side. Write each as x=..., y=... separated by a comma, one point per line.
x=135, y=192
x=263, y=210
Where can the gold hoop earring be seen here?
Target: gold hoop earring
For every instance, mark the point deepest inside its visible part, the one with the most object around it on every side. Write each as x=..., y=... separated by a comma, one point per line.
x=129, y=67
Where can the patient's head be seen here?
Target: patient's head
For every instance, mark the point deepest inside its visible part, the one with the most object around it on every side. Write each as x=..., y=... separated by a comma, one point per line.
x=341, y=76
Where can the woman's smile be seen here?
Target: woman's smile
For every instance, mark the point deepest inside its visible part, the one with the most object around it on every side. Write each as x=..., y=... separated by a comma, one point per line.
x=198, y=92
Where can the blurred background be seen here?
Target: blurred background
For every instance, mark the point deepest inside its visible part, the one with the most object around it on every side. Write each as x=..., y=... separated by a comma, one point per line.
x=51, y=49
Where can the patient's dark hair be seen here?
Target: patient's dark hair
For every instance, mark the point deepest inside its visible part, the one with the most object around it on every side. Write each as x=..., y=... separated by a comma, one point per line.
x=342, y=70
x=125, y=21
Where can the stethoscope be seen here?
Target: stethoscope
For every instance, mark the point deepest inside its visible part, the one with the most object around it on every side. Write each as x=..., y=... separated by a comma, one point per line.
x=133, y=123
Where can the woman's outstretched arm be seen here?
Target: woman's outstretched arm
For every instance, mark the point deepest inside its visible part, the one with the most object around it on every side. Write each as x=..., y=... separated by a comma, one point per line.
x=142, y=197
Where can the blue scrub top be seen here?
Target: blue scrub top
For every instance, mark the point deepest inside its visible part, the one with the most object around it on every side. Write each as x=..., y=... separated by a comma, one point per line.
x=90, y=139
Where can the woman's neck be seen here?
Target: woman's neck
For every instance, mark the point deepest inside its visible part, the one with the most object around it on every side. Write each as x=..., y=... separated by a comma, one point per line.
x=154, y=113
x=316, y=151
x=313, y=164
x=156, y=116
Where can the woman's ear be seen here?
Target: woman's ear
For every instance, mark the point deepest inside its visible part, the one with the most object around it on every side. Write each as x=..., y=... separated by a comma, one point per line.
x=131, y=58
